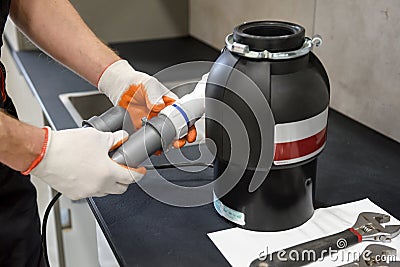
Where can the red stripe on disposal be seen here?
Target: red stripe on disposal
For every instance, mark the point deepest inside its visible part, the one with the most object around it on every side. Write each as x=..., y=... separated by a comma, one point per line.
x=300, y=148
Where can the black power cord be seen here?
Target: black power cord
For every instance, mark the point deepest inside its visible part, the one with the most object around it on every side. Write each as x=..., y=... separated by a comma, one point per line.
x=58, y=195
x=44, y=228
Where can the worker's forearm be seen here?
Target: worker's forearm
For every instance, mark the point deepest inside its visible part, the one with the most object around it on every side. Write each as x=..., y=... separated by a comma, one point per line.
x=56, y=27
x=20, y=143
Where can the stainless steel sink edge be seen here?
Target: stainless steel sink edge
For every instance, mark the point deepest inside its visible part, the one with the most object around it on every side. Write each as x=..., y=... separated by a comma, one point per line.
x=65, y=99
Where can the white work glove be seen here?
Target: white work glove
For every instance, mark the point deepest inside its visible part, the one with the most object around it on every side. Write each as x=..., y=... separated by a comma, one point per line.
x=139, y=93
x=192, y=105
x=76, y=163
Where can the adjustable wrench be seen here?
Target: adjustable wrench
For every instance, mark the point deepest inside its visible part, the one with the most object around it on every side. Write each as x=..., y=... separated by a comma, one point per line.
x=376, y=256
x=367, y=228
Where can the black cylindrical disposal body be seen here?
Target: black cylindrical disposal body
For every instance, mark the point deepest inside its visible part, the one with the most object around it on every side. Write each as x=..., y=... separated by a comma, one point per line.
x=276, y=59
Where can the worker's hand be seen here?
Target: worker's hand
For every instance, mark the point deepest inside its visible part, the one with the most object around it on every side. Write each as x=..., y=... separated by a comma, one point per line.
x=192, y=133
x=189, y=138
x=193, y=104
x=139, y=93
x=76, y=163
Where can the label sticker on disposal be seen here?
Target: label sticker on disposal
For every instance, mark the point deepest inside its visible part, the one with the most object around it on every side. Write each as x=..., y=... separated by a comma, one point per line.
x=228, y=213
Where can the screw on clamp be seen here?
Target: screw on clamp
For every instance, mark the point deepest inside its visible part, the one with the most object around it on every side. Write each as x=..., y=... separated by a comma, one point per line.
x=144, y=121
x=317, y=40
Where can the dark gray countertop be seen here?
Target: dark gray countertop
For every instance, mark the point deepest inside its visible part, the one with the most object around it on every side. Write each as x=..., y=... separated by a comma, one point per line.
x=357, y=163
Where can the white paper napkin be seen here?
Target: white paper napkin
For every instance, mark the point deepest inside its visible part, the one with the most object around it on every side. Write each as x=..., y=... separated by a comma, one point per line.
x=240, y=247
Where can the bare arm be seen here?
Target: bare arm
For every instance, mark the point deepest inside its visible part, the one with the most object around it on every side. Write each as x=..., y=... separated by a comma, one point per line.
x=20, y=143
x=56, y=27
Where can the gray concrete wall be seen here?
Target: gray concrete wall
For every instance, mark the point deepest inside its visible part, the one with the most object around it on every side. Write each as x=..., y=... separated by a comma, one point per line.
x=127, y=20
x=123, y=20
x=361, y=49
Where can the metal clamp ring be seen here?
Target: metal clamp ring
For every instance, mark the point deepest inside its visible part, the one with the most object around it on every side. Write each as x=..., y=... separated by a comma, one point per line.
x=244, y=50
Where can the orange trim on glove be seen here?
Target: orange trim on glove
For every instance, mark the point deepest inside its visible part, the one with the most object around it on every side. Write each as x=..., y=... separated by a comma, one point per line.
x=142, y=170
x=137, y=103
x=168, y=100
x=41, y=155
x=119, y=143
x=190, y=137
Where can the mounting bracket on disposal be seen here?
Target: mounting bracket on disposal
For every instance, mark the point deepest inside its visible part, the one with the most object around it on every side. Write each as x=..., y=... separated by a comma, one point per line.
x=245, y=51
